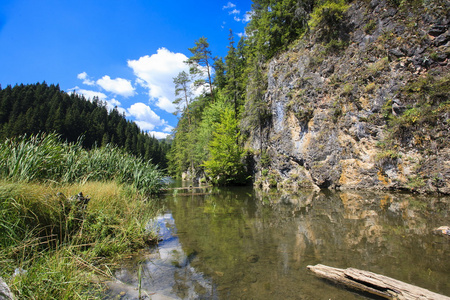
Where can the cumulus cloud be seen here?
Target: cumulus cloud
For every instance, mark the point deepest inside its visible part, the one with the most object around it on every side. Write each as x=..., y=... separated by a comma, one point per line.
x=158, y=135
x=156, y=73
x=118, y=86
x=88, y=94
x=146, y=118
x=84, y=76
x=168, y=128
x=234, y=12
x=229, y=5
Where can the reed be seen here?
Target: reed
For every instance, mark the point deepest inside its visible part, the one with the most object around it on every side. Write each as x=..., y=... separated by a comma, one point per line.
x=45, y=157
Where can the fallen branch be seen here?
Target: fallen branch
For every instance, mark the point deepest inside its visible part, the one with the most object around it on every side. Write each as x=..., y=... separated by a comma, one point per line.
x=376, y=284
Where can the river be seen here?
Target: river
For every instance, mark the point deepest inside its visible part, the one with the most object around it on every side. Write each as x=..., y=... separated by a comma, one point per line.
x=239, y=243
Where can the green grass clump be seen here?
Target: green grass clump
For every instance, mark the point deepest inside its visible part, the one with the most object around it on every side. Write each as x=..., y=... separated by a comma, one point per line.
x=44, y=157
x=55, y=246
x=53, y=239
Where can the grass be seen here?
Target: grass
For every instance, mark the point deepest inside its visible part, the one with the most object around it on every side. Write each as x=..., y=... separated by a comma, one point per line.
x=60, y=247
x=45, y=158
x=55, y=240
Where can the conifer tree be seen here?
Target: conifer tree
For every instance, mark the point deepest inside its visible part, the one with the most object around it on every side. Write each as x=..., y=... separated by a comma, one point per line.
x=183, y=90
x=201, y=57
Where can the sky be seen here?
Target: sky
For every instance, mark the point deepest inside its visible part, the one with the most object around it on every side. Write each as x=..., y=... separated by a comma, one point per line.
x=125, y=52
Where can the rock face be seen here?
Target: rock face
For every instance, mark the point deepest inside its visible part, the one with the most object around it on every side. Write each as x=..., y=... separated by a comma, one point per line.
x=343, y=116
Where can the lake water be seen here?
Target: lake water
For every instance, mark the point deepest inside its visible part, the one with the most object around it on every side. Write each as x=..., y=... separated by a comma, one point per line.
x=238, y=243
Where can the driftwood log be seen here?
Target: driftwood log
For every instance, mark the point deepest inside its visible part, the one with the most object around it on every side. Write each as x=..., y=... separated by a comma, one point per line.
x=376, y=284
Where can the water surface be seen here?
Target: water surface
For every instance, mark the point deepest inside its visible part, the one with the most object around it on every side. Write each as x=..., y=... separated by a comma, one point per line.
x=238, y=243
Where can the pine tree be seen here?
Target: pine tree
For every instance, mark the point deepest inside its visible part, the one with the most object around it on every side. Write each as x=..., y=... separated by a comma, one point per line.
x=201, y=57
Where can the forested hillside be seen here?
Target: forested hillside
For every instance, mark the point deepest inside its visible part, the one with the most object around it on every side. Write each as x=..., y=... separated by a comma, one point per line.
x=35, y=108
x=323, y=94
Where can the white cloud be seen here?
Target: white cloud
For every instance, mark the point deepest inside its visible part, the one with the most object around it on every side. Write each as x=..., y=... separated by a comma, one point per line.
x=146, y=126
x=88, y=94
x=166, y=104
x=237, y=19
x=229, y=5
x=115, y=102
x=83, y=76
x=146, y=118
x=168, y=128
x=247, y=17
x=118, y=86
x=156, y=73
x=234, y=12
x=158, y=135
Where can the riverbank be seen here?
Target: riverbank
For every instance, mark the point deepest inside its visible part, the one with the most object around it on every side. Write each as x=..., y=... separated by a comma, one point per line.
x=67, y=214
x=55, y=240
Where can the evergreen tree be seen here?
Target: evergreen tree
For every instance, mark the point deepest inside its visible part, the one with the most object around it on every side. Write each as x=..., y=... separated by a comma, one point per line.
x=201, y=57
x=183, y=90
x=30, y=109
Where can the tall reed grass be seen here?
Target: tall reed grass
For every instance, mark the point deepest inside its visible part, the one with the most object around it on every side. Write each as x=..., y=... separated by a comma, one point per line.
x=45, y=157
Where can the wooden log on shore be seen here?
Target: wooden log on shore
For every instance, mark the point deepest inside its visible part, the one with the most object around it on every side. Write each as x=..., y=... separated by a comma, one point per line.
x=188, y=188
x=373, y=283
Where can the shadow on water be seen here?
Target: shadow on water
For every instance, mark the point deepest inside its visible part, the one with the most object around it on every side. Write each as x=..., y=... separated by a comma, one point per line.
x=238, y=243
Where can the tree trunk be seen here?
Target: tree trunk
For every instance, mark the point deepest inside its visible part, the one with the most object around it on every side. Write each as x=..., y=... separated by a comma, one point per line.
x=376, y=284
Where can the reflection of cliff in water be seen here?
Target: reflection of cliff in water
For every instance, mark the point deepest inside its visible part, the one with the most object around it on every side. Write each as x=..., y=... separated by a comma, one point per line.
x=258, y=244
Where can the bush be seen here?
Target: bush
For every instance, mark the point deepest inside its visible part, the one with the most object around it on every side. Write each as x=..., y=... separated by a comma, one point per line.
x=329, y=17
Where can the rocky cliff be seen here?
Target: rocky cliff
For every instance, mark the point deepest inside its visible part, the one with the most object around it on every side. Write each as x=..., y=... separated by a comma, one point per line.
x=367, y=110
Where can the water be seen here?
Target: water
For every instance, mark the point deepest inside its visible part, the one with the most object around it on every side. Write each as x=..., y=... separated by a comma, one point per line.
x=241, y=244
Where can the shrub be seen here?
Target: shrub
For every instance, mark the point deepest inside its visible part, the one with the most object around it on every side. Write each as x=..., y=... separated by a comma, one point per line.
x=329, y=16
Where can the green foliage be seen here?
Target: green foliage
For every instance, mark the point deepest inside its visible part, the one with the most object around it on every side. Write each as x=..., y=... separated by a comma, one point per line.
x=276, y=23
x=44, y=157
x=37, y=108
x=428, y=106
x=329, y=17
x=60, y=242
x=183, y=92
x=370, y=26
x=224, y=166
x=201, y=59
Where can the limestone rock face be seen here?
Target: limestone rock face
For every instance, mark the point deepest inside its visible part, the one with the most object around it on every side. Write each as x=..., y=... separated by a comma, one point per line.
x=332, y=109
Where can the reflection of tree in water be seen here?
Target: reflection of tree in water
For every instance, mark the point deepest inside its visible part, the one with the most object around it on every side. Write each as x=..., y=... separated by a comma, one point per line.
x=258, y=244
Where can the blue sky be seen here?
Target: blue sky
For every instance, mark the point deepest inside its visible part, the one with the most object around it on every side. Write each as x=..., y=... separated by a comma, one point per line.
x=126, y=52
